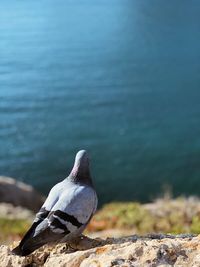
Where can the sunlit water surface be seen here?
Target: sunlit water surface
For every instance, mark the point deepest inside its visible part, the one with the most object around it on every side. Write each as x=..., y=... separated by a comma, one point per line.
x=120, y=78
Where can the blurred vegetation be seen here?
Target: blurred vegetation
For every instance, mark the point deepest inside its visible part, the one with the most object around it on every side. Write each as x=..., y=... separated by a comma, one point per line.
x=12, y=229
x=164, y=215
x=181, y=215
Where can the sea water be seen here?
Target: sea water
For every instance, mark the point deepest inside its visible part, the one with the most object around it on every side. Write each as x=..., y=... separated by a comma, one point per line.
x=120, y=78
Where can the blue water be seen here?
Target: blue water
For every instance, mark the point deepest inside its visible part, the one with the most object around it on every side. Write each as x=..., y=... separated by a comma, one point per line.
x=120, y=78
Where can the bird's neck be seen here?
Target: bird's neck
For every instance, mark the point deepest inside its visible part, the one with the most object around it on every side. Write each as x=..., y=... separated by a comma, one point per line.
x=81, y=174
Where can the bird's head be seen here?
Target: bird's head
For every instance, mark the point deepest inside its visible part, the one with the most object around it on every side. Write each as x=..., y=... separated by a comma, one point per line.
x=81, y=171
x=82, y=159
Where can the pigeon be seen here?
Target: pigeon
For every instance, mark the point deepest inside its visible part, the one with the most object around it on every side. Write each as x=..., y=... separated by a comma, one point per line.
x=66, y=212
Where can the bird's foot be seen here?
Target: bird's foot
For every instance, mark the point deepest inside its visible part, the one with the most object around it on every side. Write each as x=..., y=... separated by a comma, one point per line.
x=68, y=248
x=83, y=242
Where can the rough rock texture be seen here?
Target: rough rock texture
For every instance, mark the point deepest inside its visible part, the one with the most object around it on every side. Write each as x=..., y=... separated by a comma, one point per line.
x=19, y=194
x=133, y=251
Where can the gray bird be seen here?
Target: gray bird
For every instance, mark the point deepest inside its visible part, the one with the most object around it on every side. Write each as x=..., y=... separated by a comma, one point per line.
x=67, y=210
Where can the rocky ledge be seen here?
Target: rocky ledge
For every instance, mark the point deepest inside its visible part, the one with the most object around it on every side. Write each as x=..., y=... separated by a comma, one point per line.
x=19, y=194
x=152, y=250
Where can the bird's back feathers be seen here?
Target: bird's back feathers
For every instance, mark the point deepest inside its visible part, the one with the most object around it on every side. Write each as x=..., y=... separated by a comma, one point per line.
x=67, y=218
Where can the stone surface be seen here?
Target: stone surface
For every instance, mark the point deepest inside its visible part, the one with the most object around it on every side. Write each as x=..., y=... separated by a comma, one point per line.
x=19, y=194
x=7, y=210
x=133, y=251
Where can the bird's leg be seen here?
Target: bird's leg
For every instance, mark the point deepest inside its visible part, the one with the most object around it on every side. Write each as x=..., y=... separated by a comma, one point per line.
x=67, y=248
x=83, y=242
x=70, y=248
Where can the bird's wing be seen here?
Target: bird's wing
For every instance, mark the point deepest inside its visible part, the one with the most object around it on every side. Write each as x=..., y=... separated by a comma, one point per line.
x=43, y=212
x=71, y=213
x=53, y=195
x=82, y=203
x=40, y=216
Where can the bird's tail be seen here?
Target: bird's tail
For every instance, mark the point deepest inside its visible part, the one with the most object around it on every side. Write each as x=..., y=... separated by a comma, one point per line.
x=17, y=251
x=28, y=245
x=27, y=249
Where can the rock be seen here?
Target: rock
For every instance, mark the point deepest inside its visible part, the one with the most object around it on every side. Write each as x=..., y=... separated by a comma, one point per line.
x=152, y=251
x=7, y=210
x=19, y=194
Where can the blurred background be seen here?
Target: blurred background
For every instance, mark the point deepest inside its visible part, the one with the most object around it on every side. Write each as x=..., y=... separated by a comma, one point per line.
x=120, y=78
